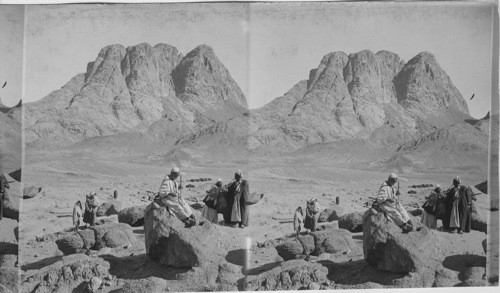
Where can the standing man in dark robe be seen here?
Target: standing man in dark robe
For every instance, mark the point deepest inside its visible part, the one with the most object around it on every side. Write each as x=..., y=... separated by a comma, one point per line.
x=461, y=203
x=245, y=209
x=232, y=191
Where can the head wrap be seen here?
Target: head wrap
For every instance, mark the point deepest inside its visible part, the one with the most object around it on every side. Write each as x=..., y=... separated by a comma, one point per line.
x=457, y=179
x=393, y=176
x=239, y=173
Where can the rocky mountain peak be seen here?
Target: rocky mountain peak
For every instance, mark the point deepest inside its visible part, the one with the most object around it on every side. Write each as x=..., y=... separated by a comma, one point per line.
x=423, y=85
x=202, y=78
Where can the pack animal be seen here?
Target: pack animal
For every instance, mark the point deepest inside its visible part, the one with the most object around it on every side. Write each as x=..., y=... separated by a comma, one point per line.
x=298, y=219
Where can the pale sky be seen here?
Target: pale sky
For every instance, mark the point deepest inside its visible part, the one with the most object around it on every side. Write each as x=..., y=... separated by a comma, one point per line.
x=267, y=47
x=11, y=53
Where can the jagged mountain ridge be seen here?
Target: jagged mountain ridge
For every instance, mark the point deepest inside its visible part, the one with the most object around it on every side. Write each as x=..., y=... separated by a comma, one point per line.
x=141, y=88
x=374, y=97
x=191, y=102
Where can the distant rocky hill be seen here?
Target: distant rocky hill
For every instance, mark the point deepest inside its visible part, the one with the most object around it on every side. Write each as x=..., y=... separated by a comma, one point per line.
x=139, y=89
x=191, y=106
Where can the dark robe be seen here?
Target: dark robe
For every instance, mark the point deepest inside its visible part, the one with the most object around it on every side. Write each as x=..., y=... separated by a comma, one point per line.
x=244, y=206
x=464, y=203
x=90, y=214
x=449, y=206
x=3, y=186
x=231, y=192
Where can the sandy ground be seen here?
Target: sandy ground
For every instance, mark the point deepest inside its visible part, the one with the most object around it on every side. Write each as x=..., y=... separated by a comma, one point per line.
x=287, y=183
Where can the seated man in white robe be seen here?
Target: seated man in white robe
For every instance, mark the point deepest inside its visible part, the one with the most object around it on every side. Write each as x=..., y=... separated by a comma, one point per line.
x=388, y=201
x=170, y=196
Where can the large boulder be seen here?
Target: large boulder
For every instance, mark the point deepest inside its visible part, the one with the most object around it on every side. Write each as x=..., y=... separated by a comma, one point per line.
x=169, y=241
x=289, y=275
x=31, y=191
x=4, y=289
x=9, y=278
x=134, y=216
x=65, y=275
x=113, y=235
x=480, y=207
x=333, y=241
x=352, y=222
x=111, y=207
x=387, y=248
x=331, y=214
x=12, y=198
x=97, y=237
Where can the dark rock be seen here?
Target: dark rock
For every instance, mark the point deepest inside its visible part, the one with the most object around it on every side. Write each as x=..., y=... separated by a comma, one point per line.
x=386, y=247
x=12, y=199
x=88, y=237
x=168, y=240
x=352, y=222
x=485, y=242
x=189, y=186
x=291, y=249
x=31, y=191
x=289, y=275
x=197, y=205
x=70, y=244
x=65, y=275
x=112, y=207
x=331, y=214
x=134, y=216
x=416, y=212
x=113, y=235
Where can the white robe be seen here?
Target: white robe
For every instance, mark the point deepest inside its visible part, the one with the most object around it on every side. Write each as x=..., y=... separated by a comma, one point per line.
x=394, y=211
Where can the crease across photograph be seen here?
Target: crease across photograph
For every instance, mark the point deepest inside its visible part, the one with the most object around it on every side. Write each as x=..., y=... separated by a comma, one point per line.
x=11, y=68
x=364, y=128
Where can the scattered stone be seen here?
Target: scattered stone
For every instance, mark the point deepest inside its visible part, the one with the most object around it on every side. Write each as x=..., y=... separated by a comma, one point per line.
x=8, y=260
x=112, y=207
x=134, y=216
x=9, y=278
x=416, y=212
x=313, y=286
x=331, y=214
x=115, y=194
x=94, y=284
x=97, y=237
x=31, y=192
x=289, y=275
x=64, y=275
x=386, y=247
x=189, y=186
x=113, y=219
x=352, y=222
x=412, y=192
x=151, y=284
x=337, y=200
x=197, y=205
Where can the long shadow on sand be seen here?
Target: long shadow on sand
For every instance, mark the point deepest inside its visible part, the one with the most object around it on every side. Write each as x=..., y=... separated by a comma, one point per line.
x=463, y=261
x=141, y=266
x=41, y=263
x=8, y=248
x=358, y=272
x=237, y=257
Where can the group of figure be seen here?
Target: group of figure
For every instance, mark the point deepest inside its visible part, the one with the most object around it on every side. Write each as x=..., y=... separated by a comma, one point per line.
x=88, y=215
x=453, y=207
x=311, y=219
x=228, y=200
